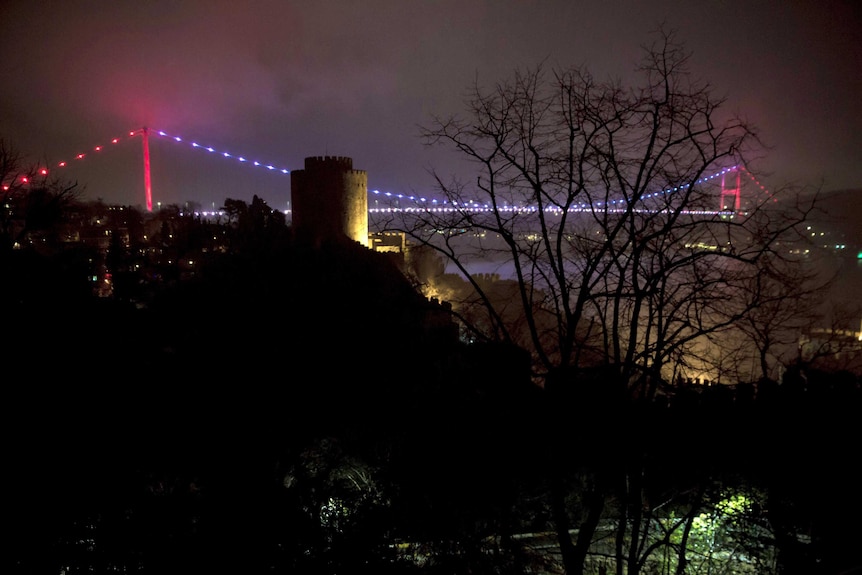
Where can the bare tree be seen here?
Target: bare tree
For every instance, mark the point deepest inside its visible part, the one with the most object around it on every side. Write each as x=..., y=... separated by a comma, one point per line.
x=32, y=200
x=786, y=300
x=598, y=199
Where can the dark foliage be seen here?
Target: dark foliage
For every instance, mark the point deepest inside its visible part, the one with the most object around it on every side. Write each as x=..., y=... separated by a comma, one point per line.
x=205, y=431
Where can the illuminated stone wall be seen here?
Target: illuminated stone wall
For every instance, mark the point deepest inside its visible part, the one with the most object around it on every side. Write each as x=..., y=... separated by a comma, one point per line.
x=329, y=199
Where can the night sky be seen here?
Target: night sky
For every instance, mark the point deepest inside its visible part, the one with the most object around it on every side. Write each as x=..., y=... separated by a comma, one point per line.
x=277, y=81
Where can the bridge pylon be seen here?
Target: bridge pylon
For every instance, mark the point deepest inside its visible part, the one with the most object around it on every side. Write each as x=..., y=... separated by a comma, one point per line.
x=730, y=197
x=148, y=188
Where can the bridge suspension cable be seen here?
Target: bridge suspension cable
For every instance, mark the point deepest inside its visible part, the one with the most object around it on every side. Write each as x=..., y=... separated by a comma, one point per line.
x=420, y=203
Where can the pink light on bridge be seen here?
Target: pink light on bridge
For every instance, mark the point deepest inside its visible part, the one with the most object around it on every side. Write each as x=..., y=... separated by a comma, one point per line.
x=145, y=133
x=732, y=192
x=148, y=188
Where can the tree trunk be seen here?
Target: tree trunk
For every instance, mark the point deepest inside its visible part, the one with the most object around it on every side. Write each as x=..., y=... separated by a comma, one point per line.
x=595, y=505
x=572, y=564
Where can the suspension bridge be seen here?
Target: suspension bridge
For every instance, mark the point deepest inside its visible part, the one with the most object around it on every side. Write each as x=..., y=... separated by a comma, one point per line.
x=729, y=199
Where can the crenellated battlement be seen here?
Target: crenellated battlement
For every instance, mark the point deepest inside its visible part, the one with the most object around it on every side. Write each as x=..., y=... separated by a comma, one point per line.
x=340, y=162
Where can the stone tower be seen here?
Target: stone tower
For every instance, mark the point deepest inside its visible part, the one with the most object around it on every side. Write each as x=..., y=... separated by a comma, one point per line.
x=329, y=200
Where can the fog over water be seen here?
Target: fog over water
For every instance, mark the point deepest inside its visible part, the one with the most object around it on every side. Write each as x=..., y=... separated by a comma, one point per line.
x=837, y=216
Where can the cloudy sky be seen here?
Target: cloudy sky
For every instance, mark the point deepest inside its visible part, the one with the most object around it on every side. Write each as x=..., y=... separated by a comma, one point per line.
x=278, y=80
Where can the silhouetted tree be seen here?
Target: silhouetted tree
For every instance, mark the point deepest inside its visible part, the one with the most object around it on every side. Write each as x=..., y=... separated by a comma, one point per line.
x=786, y=300
x=31, y=199
x=595, y=194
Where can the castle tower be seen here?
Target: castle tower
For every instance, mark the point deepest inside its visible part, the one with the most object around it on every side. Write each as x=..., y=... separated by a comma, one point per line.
x=329, y=200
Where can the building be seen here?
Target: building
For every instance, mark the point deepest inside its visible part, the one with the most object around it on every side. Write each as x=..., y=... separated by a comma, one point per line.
x=329, y=200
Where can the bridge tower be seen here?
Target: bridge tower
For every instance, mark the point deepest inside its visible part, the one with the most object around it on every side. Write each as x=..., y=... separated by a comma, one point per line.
x=148, y=188
x=730, y=197
x=329, y=200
